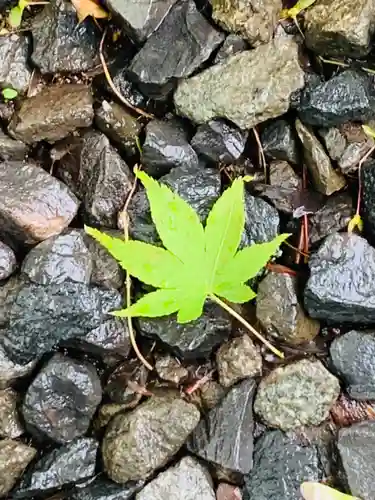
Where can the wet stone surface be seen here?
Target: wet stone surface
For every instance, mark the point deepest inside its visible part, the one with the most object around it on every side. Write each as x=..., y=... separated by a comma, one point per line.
x=14, y=68
x=14, y=458
x=279, y=141
x=104, y=489
x=8, y=261
x=10, y=425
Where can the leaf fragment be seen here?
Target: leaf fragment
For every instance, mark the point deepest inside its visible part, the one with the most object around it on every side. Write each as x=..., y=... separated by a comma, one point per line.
x=9, y=94
x=319, y=491
x=294, y=11
x=355, y=222
x=86, y=8
x=153, y=304
x=369, y=131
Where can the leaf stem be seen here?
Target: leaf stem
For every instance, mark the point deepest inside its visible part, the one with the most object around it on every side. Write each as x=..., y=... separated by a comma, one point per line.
x=239, y=318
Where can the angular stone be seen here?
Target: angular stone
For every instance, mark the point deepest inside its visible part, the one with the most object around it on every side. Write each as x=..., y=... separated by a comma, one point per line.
x=106, y=271
x=350, y=95
x=353, y=154
x=62, y=399
x=188, y=479
x=60, y=45
x=10, y=425
x=14, y=458
x=280, y=312
x=139, y=442
x=341, y=287
x=166, y=146
x=219, y=142
x=123, y=384
x=334, y=142
x=181, y=43
x=129, y=90
x=295, y=395
x=368, y=197
x=103, y=489
x=211, y=393
x=248, y=88
x=8, y=261
x=326, y=180
x=53, y=114
x=282, y=175
x=336, y=28
x=279, y=141
x=11, y=372
x=238, y=359
x=168, y=368
x=11, y=149
x=61, y=467
x=33, y=204
x=14, y=70
x=232, y=45
x=261, y=221
x=225, y=437
x=254, y=20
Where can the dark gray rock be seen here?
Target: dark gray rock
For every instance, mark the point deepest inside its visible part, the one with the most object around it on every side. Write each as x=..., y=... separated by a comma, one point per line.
x=62, y=399
x=211, y=393
x=356, y=445
x=334, y=142
x=141, y=226
x=341, y=287
x=123, y=382
x=225, y=437
x=352, y=356
x=188, y=479
x=137, y=443
x=283, y=176
x=103, y=489
x=247, y=89
x=140, y=19
x=279, y=141
x=61, y=467
x=281, y=465
x=53, y=113
x=60, y=43
x=14, y=458
x=182, y=42
x=166, y=146
x=368, y=197
x=8, y=261
x=232, y=45
x=298, y=394
x=261, y=221
x=353, y=154
x=40, y=317
x=279, y=311
x=350, y=95
x=11, y=149
x=10, y=425
x=14, y=69
x=33, y=204
x=124, y=84
x=196, y=339
x=219, y=142
x=168, y=368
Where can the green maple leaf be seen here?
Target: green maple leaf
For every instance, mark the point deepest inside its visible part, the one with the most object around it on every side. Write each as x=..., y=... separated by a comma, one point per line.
x=313, y=491
x=197, y=262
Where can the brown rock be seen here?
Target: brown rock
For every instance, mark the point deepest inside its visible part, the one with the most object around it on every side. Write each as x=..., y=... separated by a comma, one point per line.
x=10, y=425
x=14, y=458
x=170, y=369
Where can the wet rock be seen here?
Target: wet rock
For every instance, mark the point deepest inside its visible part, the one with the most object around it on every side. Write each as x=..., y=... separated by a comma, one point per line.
x=238, y=359
x=124, y=382
x=281, y=465
x=225, y=437
x=188, y=479
x=182, y=42
x=356, y=448
x=352, y=357
x=295, y=395
x=279, y=141
x=211, y=393
x=33, y=204
x=350, y=95
x=168, y=368
x=119, y=125
x=143, y=440
x=60, y=45
x=282, y=175
x=190, y=340
x=53, y=113
x=336, y=28
x=11, y=149
x=103, y=489
x=11, y=372
x=326, y=180
x=334, y=142
x=14, y=458
x=62, y=399
x=368, y=197
x=340, y=288
x=140, y=19
x=253, y=20
x=10, y=425
x=166, y=146
x=106, y=412
x=232, y=45
x=248, y=88
x=228, y=492
x=219, y=142
x=332, y=217
x=349, y=161
x=106, y=272
x=141, y=226
x=280, y=312
x=14, y=70
x=261, y=221
x=129, y=90
x=61, y=467
x=8, y=261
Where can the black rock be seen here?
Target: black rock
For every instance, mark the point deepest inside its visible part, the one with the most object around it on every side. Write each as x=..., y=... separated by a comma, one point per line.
x=166, y=146
x=141, y=226
x=104, y=489
x=368, y=197
x=341, y=287
x=219, y=142
x=60, y=43
x=352, y=356
x=281, y=465
x=62, y=399
x=11, y=149
x=279, y=141
x=232, y=44
x=225, y=437
x=349, y=95
x=190, y=340
x=61, y=467
x=14, y=70
x=261, y=221
x=8, y=261
x=182, y=42
x=127, y=88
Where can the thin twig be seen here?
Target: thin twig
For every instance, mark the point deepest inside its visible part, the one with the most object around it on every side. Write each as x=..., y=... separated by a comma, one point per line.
x=295, y=248
x=198, y=383
x=112, y=85
x=243, y=321
x=361, y=162
x=262, y=159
